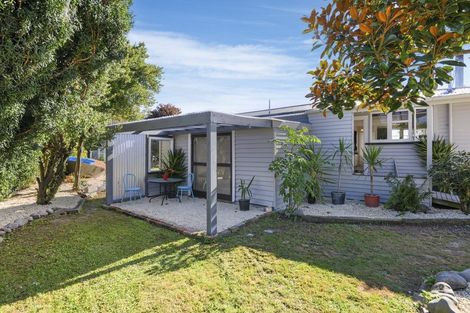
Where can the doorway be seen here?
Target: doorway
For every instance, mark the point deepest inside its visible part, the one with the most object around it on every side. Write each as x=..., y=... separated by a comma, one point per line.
x=224, y=165
x=360, y=136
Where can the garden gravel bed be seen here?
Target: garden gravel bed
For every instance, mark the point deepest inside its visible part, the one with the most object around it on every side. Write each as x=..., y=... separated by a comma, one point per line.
x=22, y=207
x=356, y=211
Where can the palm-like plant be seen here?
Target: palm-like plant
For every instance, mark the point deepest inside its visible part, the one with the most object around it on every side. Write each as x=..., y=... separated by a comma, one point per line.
x=175, y=164
x=244, y=188
x=371, y=155
x=343, y=151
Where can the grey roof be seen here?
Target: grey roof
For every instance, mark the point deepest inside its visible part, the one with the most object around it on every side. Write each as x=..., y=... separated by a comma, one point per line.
x=452, y=92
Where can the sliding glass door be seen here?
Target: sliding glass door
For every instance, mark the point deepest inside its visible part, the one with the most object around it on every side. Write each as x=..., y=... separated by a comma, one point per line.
x=224, y=165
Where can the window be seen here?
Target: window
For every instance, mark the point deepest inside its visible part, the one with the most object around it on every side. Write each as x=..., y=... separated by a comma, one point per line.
x=400, y=125
x=421, y=122
x=158, y=151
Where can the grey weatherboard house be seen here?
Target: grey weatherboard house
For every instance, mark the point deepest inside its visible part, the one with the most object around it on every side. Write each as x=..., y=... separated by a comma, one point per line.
x=223, y=148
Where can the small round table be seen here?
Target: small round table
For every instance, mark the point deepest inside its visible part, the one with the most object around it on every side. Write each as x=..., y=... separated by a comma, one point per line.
x=167, y=184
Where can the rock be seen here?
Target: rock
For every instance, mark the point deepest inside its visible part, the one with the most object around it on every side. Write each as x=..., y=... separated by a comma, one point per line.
x=466, y=274
x=2, y=233
x=442, y=305
x=12, y=226
x=1, y=239
x=30, y=218
x=452, y=278
x=36, y=215
x=269, y=231
x=21, y=222
x=7, y=230
x=250, y=235
x=442, y=288
x=50, y=211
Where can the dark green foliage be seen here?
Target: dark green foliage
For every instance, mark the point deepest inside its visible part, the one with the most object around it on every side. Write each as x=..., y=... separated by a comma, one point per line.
x=175, y=164
x=441, y=150
x=453, y=176
x=52, y=168
x=406, y=196
x=300, y=167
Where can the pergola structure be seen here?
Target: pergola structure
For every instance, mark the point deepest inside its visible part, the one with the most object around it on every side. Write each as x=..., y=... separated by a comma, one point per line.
x=211, y=123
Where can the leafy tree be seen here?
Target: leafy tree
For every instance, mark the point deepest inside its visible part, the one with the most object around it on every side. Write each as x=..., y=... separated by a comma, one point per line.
x=132, y=85
x=385, y=54
x=75, y=85
x=31, y=32
x=164, y=110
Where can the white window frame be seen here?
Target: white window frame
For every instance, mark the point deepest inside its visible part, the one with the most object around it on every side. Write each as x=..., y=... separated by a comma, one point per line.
x=149, y=155
x=411, y=127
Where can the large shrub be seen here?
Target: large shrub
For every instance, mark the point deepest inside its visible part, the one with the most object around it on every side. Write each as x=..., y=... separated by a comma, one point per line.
x=453, y=176
x=406, y=196
x=300, y=167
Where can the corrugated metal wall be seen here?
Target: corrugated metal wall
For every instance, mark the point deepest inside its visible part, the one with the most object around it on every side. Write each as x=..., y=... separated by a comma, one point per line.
x=128, y=157
x=254, y=151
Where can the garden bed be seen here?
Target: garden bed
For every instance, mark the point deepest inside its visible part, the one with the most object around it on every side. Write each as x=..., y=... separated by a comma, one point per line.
x=354, y=211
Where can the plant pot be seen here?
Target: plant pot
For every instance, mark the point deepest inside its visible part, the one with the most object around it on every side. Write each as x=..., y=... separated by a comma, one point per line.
x=372, y=201
x=311, y=200
x=244, y=204
x=338, y=197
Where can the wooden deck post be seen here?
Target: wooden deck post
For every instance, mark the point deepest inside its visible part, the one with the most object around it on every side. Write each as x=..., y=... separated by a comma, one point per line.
x=211, y=179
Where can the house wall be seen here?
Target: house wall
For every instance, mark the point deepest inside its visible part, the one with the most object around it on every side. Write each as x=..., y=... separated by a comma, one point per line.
x=441, y=121
x=183, y=142
x=461, y=126
x=128, y=157
x=254, y=151
x=330, y=128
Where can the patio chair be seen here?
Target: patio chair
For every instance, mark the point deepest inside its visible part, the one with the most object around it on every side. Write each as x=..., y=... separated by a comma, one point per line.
x=131, y=187
x=180, y=190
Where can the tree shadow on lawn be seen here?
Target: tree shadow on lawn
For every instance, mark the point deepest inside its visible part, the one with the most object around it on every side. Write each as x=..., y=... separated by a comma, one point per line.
x=58, y=252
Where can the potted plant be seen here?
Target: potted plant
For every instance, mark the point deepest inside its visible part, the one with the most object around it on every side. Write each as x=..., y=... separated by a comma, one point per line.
x=343, y=151
x=371, y=156
x=245, y=194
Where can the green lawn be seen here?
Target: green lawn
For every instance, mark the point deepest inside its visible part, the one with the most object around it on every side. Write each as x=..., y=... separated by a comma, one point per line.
x=102, y=261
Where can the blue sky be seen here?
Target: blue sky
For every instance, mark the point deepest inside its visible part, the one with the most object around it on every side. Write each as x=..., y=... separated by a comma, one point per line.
x=228, y=56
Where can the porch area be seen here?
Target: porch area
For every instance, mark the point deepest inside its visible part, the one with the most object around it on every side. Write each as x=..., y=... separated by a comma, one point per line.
x=189, y=216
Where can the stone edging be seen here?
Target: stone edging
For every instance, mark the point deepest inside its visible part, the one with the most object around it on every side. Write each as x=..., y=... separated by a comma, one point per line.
x=382, y=221
x=18, y=223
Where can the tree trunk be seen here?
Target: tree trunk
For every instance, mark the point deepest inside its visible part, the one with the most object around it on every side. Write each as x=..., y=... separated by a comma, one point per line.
x=78, y=163
x=51, y=169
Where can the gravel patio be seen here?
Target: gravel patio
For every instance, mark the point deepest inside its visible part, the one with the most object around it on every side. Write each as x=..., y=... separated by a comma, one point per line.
x=355, y=211
x=189, y=216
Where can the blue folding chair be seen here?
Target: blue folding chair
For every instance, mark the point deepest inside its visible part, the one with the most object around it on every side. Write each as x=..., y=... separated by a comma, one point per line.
x=131, y=187
x=180, y=190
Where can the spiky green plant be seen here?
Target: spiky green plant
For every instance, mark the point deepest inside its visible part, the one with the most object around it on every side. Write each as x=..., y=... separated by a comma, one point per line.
x=175, y=164
x=343, y=151
x=441, y=149
x=371, y=156
x=244, y=188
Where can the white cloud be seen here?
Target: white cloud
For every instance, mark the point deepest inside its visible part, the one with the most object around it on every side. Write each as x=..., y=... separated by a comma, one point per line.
x=230, y=78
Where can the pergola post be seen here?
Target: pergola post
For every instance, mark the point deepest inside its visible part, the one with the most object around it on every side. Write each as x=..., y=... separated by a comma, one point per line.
x=430, y=137
x=211, y=179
